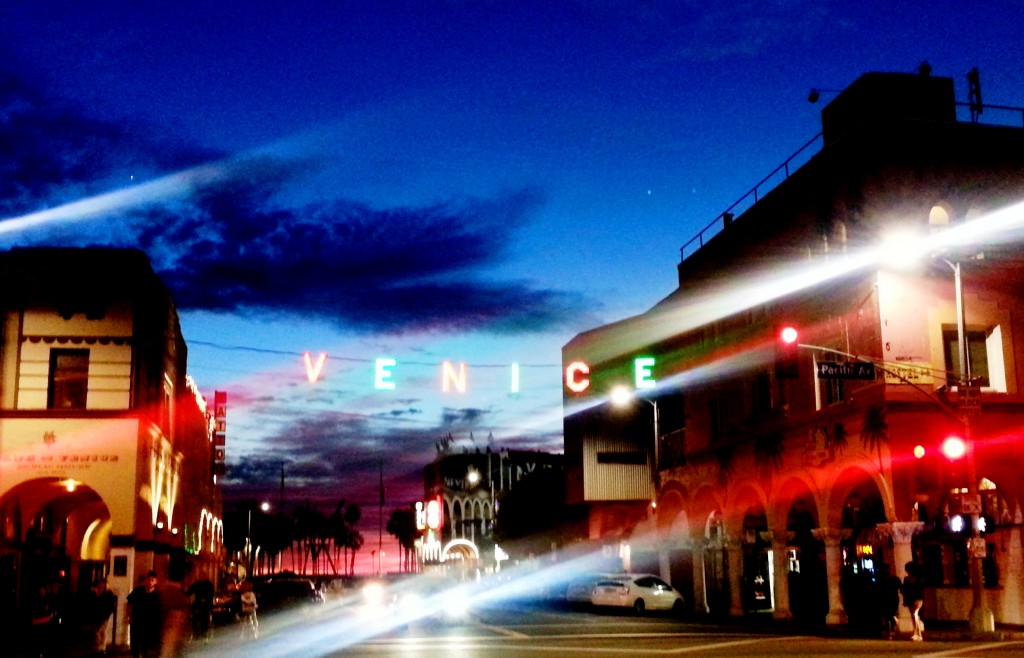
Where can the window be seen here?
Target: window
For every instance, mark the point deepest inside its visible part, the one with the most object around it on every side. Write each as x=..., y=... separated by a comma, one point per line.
x=69, y=379
x=977, y=354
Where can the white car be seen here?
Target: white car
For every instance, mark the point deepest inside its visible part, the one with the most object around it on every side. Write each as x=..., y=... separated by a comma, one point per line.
x=580, y=589
x=641, y=592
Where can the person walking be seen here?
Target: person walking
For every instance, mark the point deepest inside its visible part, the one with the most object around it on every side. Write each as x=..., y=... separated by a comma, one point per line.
x=913, y=597
x=43, y=621
x=104, y=602
x=202, y=592
x=248, y=605
x=145, y=618
x=889, y=600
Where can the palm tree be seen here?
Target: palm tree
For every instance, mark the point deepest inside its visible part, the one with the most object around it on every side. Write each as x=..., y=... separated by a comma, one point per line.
x=875, y=431
x=355, y=542
x=402, y=526
x=838, y=440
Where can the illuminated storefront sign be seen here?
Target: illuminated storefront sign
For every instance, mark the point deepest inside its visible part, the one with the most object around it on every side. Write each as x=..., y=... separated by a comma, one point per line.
x=430, y=516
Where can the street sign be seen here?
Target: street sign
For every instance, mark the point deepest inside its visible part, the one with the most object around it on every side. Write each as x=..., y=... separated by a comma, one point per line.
x=846, y=370
x=970, y=399
x=970, y=503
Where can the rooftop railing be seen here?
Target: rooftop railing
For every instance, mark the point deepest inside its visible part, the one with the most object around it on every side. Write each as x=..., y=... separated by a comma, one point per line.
x=766, y=184
x=964, y=112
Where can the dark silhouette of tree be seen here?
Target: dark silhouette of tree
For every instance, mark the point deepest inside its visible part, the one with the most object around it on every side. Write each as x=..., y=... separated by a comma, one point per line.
x=402, y=526
x=344, y=534
x=875, y=431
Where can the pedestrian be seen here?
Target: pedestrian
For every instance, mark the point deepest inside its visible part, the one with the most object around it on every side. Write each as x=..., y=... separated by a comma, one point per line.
x=174, y=617
x=889, y=600
x=202, y=593
x=913, y=597
x=104, y=602
x=248, y=605
x=43, y=616
x=145, y=618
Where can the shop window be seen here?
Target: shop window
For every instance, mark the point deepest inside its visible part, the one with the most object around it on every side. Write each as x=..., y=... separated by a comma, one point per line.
x=68, y=384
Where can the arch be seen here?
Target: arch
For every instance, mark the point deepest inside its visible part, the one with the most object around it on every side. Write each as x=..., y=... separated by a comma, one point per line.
x=748, y=500
x=796, y=507
x=861, y=484
x=940, y=214
x=706, y=501
x=60, y=526
x=456, y=517
x=671, y=506
x=460, y=549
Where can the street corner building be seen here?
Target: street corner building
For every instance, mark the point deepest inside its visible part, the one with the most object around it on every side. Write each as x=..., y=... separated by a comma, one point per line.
x=106, y=446
x=779, y=477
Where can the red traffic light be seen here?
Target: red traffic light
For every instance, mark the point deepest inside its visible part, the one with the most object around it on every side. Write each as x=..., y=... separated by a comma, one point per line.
x=954, y=447
x=788, y=335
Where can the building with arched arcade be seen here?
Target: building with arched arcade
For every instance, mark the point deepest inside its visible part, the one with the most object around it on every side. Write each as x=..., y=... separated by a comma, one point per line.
x=106, y=446
x=783, y=477
x=464, y=489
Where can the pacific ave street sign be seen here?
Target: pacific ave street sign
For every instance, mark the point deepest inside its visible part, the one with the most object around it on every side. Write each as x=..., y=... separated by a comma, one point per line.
x=846, y=370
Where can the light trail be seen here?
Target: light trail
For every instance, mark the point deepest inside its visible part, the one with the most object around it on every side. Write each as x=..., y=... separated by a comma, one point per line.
x=165, y=188
x=675, y=318
x=336, y=625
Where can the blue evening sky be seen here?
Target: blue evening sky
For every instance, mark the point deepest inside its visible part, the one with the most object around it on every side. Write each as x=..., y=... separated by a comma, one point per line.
x=468, y=180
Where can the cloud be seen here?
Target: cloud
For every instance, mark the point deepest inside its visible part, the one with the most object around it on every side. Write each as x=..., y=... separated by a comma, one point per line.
x=231, y=242
x=51, y=152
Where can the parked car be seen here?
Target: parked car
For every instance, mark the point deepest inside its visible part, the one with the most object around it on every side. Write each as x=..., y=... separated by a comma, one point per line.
x=581, y=588
x=641, y=592
x=285, y=592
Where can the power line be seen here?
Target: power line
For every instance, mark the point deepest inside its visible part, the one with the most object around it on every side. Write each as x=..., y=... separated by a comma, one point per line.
x=353, y=359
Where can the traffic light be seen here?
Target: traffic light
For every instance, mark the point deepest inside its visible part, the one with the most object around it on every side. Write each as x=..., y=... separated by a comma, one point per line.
x=787, y=365
x=954, y=448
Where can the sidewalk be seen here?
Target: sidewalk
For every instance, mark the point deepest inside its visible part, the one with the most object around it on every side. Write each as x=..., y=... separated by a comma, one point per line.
x=950, y=631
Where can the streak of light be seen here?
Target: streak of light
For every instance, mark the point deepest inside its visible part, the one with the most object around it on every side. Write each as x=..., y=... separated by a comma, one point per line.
x=165, y=188
x=672, y=318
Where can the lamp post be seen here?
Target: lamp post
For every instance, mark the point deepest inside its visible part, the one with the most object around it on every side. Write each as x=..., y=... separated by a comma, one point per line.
x=982, y=618
x=264, y=506
x=621, y=396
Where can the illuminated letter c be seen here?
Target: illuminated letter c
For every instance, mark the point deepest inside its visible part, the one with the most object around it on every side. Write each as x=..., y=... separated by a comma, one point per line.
x=571, y=382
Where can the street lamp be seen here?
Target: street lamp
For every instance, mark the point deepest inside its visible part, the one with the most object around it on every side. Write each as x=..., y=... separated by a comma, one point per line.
x=982, y=618
x=264, y=507
x=621, y=397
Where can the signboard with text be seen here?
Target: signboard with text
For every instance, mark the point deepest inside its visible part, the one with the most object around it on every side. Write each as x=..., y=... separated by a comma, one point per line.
x=846, y=370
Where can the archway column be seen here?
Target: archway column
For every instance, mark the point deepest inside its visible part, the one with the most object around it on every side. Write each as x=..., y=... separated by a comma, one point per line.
x=833, y=573
x=734, y=554
x=700, y=586
x=780, y=565
x=902, y=534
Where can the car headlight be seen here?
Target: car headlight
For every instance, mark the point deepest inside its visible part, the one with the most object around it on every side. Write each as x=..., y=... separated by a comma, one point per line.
x=373, y=593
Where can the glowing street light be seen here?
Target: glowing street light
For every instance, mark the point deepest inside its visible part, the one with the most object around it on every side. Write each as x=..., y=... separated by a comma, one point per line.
x=621, y=397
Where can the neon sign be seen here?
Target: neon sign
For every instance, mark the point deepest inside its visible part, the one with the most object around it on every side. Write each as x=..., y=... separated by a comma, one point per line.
x=313, y=371
x=455, y=376
x=577, y=380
